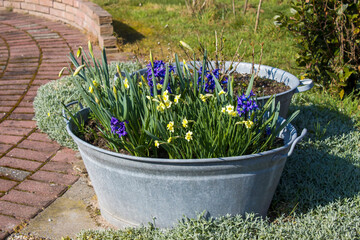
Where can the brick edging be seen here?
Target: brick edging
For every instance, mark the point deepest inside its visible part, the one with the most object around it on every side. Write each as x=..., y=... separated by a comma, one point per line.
x=81, y=14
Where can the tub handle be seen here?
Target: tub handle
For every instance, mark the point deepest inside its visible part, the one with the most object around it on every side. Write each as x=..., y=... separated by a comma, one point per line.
x=305, y=85
x=66, y=119
x=298, y=139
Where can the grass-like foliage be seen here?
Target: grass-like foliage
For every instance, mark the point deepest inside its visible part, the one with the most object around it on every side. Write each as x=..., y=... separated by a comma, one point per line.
x=319, y=193
x=48, y=108
x=179, y=112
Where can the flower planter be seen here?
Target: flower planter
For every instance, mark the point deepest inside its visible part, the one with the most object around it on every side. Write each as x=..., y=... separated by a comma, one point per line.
x=132, y=190
x=270, y=73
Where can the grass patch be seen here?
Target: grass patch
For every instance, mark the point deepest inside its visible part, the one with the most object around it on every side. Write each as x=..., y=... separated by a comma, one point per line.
x=144, y=25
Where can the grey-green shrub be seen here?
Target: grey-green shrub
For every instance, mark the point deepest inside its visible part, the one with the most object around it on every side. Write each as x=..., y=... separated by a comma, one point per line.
x=318, y=196
x=48, y=108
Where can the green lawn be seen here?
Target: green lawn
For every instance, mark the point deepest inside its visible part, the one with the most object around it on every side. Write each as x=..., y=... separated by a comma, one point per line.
x=144, y=25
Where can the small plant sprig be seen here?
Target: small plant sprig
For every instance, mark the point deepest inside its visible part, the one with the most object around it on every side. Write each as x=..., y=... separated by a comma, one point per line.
x=177, y=111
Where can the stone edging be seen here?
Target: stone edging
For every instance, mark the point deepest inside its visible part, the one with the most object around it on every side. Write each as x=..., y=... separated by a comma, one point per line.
x=81, y=14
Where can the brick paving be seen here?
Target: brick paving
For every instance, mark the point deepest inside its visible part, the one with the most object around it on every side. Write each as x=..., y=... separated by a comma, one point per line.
x=34, y=170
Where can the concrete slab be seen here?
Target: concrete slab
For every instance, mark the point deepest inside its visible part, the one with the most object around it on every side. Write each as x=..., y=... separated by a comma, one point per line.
x=67, y=216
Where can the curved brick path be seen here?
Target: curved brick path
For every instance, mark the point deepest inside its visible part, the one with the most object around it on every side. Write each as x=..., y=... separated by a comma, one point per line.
x=34, y=170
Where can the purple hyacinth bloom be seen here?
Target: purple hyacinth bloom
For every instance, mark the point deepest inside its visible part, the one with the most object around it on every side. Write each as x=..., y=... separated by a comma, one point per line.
x=159, y=73
x=268, y=130
x=210, y=81
x=246, y=105
x=118, y=127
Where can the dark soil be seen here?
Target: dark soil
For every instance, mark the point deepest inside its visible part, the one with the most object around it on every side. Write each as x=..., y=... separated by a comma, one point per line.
x=93, y=135
x=261, y=86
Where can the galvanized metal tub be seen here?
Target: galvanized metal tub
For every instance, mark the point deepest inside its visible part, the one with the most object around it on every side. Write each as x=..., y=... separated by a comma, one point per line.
x=270, y=73
x=134, y=190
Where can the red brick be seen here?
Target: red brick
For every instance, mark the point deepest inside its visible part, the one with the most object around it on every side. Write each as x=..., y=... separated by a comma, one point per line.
x=59, y=167
x=21, y=116
x=72, y=10
x=24, y=110
x=65, y=155
x=8, y=224
x=29, y=154
x=6, y=185
x=5, y=109
x=26, y=104
x=14, y=131
x=57, y=13
x=68, y=2
x=8, y=103
x=19, y=164
x=9, y=139
x=11, y=92
x=20, y=124
x=39, y=146
x=9, y=97
x=48, y=3
x=105, y=30
x=4, y=147
x=12, y=4
x=49, y=189
x=54, y=177
x=28, y=6
x=32, y=1
x=36, y=136
x=28, y=198
x=59, y=6
x=17, y=210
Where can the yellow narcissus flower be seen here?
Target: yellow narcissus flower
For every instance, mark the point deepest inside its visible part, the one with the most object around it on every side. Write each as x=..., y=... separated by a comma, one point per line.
x=185, y=123
x=249, y=124
x=203, y=98
x=126, y=83
x=168, y=104
x=157, y=144
x=140, y=84
x=161, y=107
x=165, y=96
x=95, y=83
x=176, y=99
x=159, y=86
x=170, y=126
x=188, y=136
x=233, y=114
x=229, y=109
x=169, y=139
x=91, y=89
x=221, y=92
